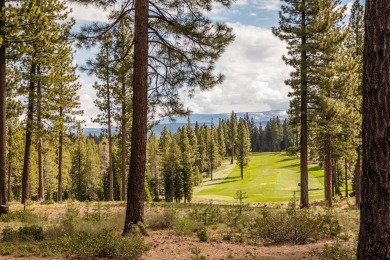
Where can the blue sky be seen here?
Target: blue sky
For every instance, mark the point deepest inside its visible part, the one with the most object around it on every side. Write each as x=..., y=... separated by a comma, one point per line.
x=252, y=64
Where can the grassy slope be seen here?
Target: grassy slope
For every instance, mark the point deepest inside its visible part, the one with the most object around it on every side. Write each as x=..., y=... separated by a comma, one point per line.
x=270, y=177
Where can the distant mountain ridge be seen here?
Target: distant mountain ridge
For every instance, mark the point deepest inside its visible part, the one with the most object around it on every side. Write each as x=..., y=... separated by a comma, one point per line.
x=179, y=121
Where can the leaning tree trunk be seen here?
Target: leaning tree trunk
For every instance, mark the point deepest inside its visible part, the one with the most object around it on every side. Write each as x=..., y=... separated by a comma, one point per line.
x=303, y=140
x=3, y=122
x=29, y=129
x=136, y=183
x=374, y=236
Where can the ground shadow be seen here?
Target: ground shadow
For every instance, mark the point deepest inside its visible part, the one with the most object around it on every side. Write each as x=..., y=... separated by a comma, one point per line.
x=226, y=180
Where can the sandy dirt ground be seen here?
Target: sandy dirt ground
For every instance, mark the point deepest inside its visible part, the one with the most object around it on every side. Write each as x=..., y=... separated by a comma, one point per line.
x=166, y=246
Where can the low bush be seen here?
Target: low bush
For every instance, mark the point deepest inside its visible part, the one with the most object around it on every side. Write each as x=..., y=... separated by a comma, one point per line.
x=336, y=251
x=105, y=244
x=164, y=220
x=202, y=235
x=299, y=227
x=185, y=227
x=28, y=233
x=24, y=216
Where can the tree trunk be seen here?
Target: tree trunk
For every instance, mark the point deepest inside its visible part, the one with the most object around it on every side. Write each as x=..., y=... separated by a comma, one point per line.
x=110, y=164
x=242, y=172
x=10, y=155
x=41, y=189
x=136, y=183
x=29, y=129
x=328, y=172
x=374, y=236
x=303, y=140
x=334, y=178
x=346, y=177
x=60, y=149
x=41, y=195
x=358, y=188
x=232, y=153
x=123, y=143
x=3, y=120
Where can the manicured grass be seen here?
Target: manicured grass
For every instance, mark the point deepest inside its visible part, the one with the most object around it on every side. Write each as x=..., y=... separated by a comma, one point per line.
x=269, y=177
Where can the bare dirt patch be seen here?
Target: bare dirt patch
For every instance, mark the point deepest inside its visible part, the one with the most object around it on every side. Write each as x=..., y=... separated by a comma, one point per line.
x=167, y=246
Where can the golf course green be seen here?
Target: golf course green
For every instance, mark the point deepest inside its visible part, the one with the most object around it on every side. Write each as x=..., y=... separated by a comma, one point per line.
x=269, y=177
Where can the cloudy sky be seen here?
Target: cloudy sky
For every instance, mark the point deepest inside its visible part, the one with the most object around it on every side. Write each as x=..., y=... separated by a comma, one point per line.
x=252, y=64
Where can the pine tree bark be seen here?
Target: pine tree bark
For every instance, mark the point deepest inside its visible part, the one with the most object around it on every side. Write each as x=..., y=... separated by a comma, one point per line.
x=10, y=155
x=328, y=172
x=303, y=140
x=358, y=188
x=374, y=236
x=123, y=143
x=346, y=177
x=29, y=129
x=60, y=152
x=334, y=178
x=40, y=140
x=136, y=182
x=110, y=161
x=3, y=122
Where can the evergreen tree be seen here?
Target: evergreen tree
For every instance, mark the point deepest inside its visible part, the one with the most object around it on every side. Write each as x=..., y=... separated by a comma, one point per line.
x=232, y=133
x=375, y=203
x=243, y=146
x=173, y=185
x=212, y=149
x=153, y=162
x=306, y=26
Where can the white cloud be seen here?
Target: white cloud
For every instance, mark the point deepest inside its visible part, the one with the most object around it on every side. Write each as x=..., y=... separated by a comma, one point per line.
x=88, y=13
x=255, y=75
x=269, y=5
x=87, y=97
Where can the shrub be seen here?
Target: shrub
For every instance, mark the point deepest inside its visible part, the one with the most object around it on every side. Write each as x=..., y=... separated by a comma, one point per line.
x=24, y=216
x=298, y=227
x=196, y=254
x=162, y=221
x=202, y=235
x=185, y=227
x=336, y=251
x=28, y=233
x=105, y=244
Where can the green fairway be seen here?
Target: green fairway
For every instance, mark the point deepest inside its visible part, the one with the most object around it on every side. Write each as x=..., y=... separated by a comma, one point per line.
x=269, y=177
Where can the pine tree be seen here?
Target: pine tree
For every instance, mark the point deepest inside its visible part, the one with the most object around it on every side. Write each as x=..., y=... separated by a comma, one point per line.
x=232, y=133
x=153, y=162
x=243, y=146
x=305, y=26
x=172, y=168
x=356, y=27
x=212, y=149
x=375, y=204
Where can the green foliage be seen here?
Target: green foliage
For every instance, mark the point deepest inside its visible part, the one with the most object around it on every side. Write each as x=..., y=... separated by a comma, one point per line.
x=105, y=244
x=336, y=251
x=27, y=233
x=197, y=254
x=164, y=220
x=24, y=216
x=202, y=235
x=186, y=226
x=299, y=227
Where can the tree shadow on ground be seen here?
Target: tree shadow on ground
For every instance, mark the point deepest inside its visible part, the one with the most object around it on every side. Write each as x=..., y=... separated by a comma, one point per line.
x=226, y=180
